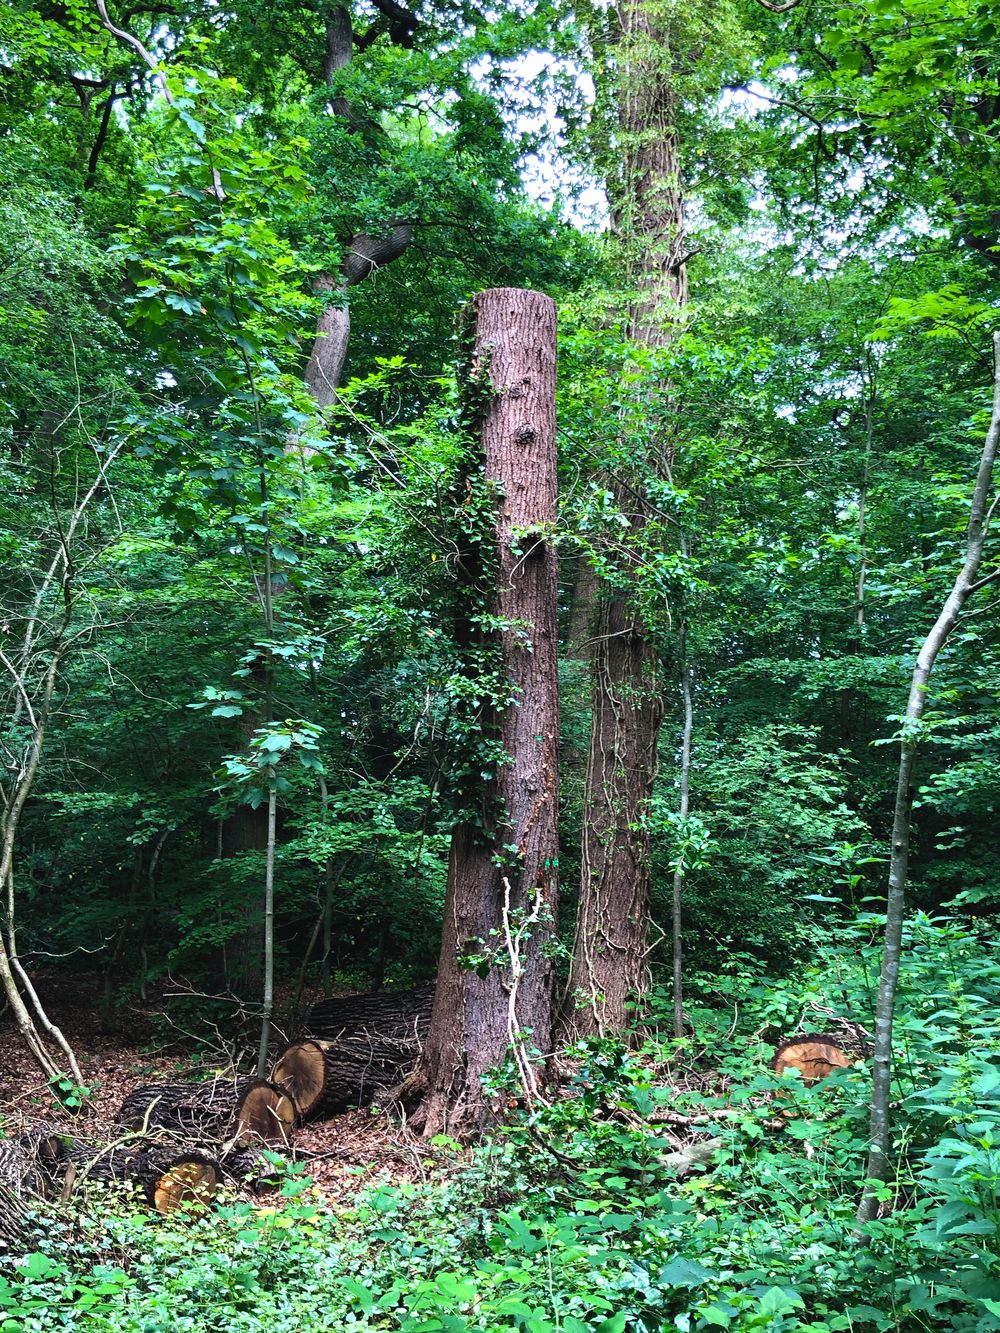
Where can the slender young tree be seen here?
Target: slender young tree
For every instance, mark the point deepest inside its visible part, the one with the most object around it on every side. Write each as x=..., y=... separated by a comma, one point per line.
x=966, y=583
x=684, y=809
x=35, y=642
x=495, y=974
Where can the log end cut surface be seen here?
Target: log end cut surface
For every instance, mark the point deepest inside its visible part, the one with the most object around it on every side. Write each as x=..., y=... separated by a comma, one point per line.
x=188, y=1180
x=301, y=1072
x=813, y=1055
x=265, y=1114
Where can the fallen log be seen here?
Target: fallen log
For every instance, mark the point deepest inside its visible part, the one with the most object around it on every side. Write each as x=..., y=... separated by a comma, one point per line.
x=222, y=1111
x=356, y=1046
x=19, y=1221
x=322, y=1077
x=47, y=1147
x=249, y=1169
x=814, y=1055
x=694, y=1157
x=164, y=1176
x=378, y=1011
x=48, y=1161
x=19, y=1171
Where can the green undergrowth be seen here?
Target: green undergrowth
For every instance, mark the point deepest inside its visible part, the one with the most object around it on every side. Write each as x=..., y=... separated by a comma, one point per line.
x=572, y=1220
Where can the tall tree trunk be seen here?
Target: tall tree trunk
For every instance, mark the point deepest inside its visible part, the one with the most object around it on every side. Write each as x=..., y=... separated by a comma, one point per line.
x=612, y=930
x=502, y=877
x=364, y=255
x=965, y=584
x=246, y=829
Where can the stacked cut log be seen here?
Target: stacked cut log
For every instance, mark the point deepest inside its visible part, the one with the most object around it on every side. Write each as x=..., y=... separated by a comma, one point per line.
x=165, y=1176
x=353, y=1048
x=243, y=1115
x=249, y=1169
x=47, y=1163
x=23, y=1190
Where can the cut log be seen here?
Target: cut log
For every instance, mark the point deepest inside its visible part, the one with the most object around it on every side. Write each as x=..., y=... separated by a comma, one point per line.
x=19, y=1221
x=322, y=1077
x=356, y=1047
x=19, y=1171
x=814, y=1055
x=249, y=1169
x=379, y=1011
x=47, y=1147
x=170, y=1180
x=166, y=1177
x=251, y=1112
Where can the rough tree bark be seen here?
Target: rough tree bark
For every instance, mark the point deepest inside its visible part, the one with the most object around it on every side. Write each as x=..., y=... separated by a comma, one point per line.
x=965, y=584
x=500, y=903
x=612, y=929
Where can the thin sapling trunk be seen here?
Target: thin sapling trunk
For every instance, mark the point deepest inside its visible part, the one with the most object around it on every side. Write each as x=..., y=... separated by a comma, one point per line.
x=965, y=584
x=684, y=809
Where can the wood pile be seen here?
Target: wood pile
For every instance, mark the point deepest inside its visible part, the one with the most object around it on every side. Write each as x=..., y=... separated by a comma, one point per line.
x=180, y=1143
x=45, y=1165
x=353, y=1048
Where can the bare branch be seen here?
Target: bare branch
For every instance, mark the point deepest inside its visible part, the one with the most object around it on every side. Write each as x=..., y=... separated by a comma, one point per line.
x=122, y=35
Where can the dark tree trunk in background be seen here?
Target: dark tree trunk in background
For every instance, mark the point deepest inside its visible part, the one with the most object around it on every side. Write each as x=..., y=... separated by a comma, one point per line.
x=611, y=941
x=501, y=903
x=676, y=905
x=609, y=950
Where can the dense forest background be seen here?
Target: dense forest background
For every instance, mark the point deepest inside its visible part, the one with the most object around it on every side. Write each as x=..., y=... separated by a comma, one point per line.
x=239, y=467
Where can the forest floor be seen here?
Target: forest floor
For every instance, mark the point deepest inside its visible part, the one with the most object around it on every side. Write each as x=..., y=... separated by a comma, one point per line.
x=343, y=1154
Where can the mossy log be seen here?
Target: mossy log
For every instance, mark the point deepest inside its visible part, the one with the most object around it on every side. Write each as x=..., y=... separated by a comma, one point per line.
x=814, y=1055
x=223, y=1111
x=355, y=1047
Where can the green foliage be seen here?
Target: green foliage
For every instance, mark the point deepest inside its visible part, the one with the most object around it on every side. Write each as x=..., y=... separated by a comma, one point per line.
x=575, y=1219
